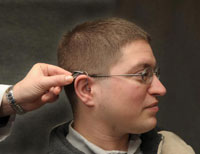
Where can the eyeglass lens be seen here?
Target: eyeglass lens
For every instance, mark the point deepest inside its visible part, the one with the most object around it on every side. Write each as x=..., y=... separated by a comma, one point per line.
x=147, y=75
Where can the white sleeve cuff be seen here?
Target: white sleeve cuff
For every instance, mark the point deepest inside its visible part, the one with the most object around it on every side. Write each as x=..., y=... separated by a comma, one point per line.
x=3, y=89
x=5, y=131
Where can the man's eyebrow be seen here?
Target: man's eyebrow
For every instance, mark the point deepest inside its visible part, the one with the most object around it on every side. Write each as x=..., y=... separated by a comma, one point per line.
x=139, y=66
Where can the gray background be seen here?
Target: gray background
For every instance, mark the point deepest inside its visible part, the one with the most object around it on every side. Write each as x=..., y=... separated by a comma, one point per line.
x=30, y=31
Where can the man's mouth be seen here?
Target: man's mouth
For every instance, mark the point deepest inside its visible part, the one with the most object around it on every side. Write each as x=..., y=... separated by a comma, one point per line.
x=154, y=107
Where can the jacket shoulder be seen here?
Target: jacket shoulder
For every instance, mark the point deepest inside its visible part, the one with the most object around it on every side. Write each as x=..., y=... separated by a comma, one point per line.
x=173, y=144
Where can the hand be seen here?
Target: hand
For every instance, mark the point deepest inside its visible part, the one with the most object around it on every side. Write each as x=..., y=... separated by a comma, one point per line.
x=42, y=84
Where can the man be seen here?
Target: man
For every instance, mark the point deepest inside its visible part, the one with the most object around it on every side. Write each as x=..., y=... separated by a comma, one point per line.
x=41, y=85
x=114, y=96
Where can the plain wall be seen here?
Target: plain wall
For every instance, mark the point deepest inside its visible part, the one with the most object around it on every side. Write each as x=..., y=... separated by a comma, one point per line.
x=30, y=31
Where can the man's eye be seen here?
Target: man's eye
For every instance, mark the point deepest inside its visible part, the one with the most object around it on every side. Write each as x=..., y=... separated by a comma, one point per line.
x=144, y=75
x=140, y=72
x=144, y=72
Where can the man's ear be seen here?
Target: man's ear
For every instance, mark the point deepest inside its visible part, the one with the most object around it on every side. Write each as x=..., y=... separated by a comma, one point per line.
x=83, y=88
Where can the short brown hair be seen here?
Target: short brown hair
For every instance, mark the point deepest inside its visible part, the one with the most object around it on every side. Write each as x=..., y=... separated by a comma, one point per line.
x=95, y=46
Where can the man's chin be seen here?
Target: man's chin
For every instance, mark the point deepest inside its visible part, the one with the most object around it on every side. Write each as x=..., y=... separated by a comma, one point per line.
x=148, y=126
x=151, y=124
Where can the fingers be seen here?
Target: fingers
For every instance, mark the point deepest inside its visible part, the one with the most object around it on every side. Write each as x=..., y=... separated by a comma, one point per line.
x=56, y=81
x=53, y=70
x=52, y=95
x=49, y=97
x=55, y=76
x=57, y=90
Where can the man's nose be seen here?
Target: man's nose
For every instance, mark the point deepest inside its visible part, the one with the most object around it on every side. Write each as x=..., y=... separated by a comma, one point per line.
x=156, y=87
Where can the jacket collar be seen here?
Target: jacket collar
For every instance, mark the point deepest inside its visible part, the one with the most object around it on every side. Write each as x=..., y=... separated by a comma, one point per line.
x=150, y=142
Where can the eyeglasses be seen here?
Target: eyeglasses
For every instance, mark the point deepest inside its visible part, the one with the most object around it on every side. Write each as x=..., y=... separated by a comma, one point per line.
x=146, y=75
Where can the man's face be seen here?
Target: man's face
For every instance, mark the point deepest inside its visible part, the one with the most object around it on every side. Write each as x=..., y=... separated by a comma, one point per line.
x=128, y=105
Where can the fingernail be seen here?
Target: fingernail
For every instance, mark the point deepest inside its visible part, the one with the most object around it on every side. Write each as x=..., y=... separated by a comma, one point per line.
x=68, y=78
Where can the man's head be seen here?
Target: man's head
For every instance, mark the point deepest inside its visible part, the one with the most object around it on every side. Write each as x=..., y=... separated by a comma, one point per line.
x=112, y=46
x=95, y=46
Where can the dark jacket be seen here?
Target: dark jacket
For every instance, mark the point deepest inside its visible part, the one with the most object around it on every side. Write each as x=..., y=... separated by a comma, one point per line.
x=153, y=142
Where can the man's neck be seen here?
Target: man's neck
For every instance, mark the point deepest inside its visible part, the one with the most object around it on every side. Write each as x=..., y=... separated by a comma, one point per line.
x=102, y=136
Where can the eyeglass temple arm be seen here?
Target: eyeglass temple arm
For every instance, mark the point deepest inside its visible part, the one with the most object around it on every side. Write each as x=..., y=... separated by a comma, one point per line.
x=115, y=75
x=76, y=73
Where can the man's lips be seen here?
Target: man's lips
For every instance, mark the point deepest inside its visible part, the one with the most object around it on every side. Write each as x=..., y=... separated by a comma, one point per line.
x=153, y=107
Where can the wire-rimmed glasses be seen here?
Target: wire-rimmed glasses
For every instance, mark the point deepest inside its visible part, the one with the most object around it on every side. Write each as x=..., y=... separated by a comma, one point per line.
x=146, y=75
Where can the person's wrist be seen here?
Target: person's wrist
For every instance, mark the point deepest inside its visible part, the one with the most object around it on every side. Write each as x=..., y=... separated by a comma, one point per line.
x=16, y=92
x=13, y=102
x=5, y=108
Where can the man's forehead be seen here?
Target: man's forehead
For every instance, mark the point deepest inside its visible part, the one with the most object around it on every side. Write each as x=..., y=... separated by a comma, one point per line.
x=144, y=64
x=136, y=55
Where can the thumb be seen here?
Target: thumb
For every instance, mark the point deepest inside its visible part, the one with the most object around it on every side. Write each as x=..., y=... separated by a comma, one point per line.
x=56, y=80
